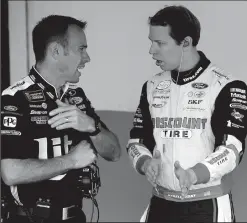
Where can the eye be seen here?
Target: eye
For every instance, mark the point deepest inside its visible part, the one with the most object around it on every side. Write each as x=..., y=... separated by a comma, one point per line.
x=160, y=43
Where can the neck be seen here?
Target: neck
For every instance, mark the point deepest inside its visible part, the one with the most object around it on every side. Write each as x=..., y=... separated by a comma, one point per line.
x=50, y=75
x=189, y=60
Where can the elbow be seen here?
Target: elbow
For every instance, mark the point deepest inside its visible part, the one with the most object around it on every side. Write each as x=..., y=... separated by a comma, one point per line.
x=9, y=177
x=8, y=180
x=114, y=156
x=117, y=154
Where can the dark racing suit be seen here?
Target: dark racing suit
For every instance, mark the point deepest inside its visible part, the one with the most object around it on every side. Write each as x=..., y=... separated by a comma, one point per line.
x=199, y=119
x=26, y=134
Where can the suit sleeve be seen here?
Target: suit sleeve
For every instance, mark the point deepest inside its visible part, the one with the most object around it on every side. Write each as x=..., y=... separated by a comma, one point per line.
x=15, y=142
x=229, y=125
x=141, y=143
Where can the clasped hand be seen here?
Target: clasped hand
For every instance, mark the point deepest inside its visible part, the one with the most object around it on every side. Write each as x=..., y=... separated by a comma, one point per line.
x=69, y=116
x=152, y=169
x=186, y=178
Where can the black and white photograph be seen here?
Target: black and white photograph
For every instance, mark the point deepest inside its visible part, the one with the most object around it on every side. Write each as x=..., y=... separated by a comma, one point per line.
x=123, y=111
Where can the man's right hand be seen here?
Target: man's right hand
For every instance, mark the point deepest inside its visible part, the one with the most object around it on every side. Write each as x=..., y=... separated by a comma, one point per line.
x=152, y=167
x=82, y=154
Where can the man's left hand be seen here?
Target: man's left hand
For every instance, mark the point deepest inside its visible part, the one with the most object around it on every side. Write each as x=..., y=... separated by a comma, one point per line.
x=186, y=178
x=69, y=116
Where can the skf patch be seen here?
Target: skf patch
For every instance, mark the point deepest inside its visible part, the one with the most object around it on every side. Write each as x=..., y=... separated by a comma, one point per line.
x=35, y=96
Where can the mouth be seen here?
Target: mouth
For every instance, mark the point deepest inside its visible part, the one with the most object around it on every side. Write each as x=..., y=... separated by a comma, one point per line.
x=159, y=62
x=80, y=68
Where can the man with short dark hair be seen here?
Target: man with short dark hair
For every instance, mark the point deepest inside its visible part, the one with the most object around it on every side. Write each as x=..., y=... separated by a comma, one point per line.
x=189, y=128
x=49, y=128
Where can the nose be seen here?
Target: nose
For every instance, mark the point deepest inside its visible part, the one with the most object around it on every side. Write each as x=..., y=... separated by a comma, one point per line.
x=86, y=58
x=152, y=49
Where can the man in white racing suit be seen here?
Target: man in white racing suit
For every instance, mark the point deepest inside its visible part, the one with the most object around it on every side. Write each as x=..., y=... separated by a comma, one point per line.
x=189, y=128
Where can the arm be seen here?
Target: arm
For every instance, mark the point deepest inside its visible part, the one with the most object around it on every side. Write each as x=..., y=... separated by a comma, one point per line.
x=106, y=144
x=229, y=128
x=81, y=117
x=141, y=143
x=19, y=163
x=18, y=171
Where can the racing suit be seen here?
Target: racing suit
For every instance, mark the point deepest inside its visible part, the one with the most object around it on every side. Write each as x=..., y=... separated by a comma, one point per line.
x=197, y=117
x=26, y=134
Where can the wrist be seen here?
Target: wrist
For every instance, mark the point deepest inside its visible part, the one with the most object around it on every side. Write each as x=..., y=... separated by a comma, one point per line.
x=96, y=128
x=193, y=176
x=145, y=164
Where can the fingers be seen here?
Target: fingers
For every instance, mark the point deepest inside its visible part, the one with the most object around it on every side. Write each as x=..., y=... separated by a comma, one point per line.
x=157, y=154
x=62, y=104
x=61, y=118
x=177, y=165
x=62, y=109
x=152, y=173
x=184, y=192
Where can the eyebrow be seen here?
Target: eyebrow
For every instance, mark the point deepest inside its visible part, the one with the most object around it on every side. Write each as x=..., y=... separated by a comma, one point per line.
x=157, y=40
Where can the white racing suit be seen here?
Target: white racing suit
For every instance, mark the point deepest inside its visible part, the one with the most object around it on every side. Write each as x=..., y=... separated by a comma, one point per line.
x=198, y=119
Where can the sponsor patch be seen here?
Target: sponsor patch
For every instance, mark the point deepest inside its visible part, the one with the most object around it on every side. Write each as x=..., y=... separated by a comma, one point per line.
x=71, y=93
x=43, y=105
x=237, y=105
x=239, y=100
x=138, y=120
x=134, y=152
x=220, y=75
x=10, y=132
x=75, y=100
x=10, y=121
x=194, y=109
x=40, y=119
x=178, y=134
x=242, y=91
x=190, y=94
x=159, y=105
x=163, y=85
x=231, y=124
x=18, y=85
x=194, y=102
x=193, y=76
x=199, y=94
x=10, y=108
x=82, y=106
x=236, y=95
x=11, y=113
x=34, y=112
x=237, y=115
x=35, y=96
x=199, y=85
x=179, y=123
x=219, y=158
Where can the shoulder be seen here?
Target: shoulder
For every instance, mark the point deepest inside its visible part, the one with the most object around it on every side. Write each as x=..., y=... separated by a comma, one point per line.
x=76, y=95
x=18, y=86
x=220, y=76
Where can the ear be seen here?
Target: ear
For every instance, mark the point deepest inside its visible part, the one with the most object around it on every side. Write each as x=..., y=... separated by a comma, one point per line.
x=187, y=41
x=56, y=50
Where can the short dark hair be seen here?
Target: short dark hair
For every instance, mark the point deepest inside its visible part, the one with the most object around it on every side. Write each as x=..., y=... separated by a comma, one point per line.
x=49, y=29
x=182, y=23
